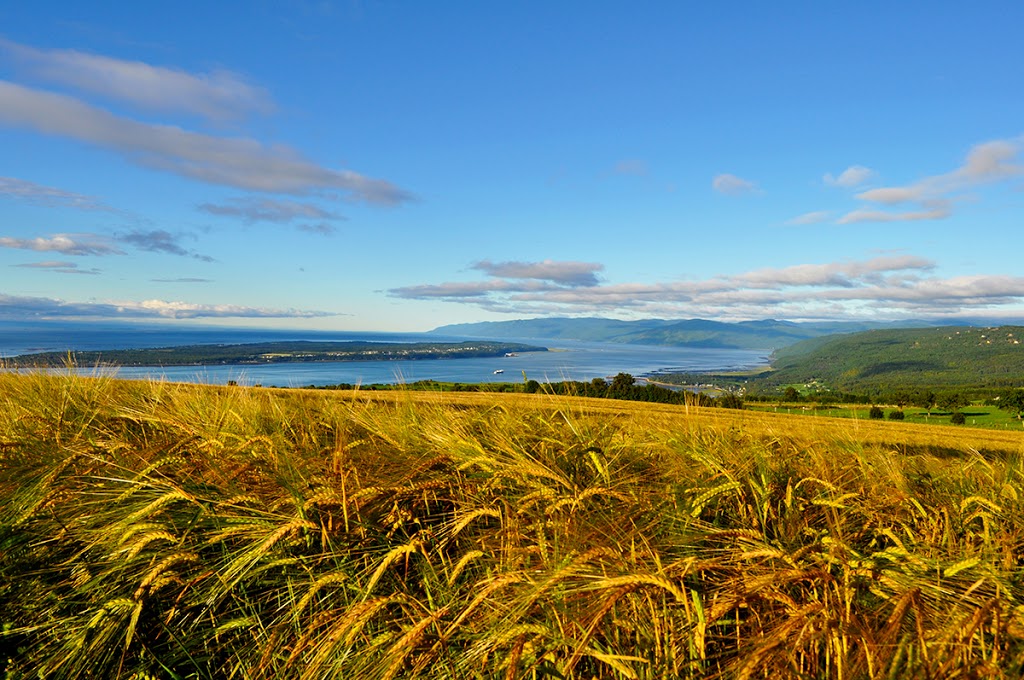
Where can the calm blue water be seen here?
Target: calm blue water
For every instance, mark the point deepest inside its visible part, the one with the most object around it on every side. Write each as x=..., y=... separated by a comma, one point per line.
x=569, y=361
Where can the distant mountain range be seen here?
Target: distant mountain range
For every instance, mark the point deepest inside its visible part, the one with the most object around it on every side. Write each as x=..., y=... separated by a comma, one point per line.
x=766, y=334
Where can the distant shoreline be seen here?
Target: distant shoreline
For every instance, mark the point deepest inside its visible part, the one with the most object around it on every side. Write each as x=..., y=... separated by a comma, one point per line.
x=264, y=353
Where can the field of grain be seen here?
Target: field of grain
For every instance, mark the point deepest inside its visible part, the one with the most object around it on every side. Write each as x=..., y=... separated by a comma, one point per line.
x=155, y=530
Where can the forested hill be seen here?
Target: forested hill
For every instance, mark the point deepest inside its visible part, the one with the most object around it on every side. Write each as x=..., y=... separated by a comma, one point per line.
x=949, y=355
x=762, y=334
x=275, y=353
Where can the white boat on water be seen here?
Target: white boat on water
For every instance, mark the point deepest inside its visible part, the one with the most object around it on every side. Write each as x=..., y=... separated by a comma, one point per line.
x=500, y=370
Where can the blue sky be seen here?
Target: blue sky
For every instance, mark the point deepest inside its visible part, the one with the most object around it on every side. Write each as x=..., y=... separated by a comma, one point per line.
x=398, y=166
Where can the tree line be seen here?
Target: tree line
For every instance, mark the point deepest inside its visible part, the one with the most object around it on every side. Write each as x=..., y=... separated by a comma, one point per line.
x=622, y=386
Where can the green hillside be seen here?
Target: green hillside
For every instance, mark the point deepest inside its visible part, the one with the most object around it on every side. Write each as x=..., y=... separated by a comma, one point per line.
x=887, y=359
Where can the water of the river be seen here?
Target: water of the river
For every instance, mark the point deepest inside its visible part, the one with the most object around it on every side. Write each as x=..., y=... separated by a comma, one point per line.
x=568, y=360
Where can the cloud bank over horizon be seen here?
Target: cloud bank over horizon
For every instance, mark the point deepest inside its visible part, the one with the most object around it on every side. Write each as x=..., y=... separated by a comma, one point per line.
x=42, y=308
x=891, y=286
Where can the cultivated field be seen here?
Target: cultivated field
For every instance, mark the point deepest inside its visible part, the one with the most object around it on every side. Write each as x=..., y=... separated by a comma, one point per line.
x=154, y=530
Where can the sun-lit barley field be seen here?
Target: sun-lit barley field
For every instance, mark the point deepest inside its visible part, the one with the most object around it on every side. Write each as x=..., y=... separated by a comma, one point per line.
x=155, y=530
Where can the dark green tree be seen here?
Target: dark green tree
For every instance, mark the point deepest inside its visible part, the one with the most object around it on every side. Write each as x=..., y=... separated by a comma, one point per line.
x=730, y=400
x=952, y=401
x=1013, y=402
x=924, y=399
x=826, y=400
x=622, y=386
x=898, y=398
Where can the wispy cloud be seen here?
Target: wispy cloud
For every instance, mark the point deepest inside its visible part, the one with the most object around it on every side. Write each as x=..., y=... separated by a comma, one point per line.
x=156, y=241
x=26, y=307
x=321, y=228
x=48, y=197
x=934, y=196
x=59, y=267
x=254, y=209
x=938, y=210
x=565, y=273
x=238, y=162
x=219, y=95
x=985, y=163
x=731, y=185
x=160, y=241
x=65, y=244
x=892, y=286
x=631, y=166
x=832, y=274
x=816, y=217
x=853, y=176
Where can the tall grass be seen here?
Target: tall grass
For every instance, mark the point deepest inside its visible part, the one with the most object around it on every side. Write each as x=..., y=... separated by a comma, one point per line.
x=154, y=530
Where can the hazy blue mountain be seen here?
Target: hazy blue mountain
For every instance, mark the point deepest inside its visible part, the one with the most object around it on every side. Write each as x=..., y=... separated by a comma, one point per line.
x=764, y=334
x=592, y=329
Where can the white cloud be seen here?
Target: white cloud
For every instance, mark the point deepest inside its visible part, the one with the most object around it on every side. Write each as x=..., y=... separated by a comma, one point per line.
x=977, y=289
x=255, y=209
x=990, y=162
x=66, y=244
x=160, y=241
x=230, y=161
x=938, y=211
x=731, y=185
x=891, y=286
x=895, y=195
x=219, y=95
x=548, y=277
x=565, y=273
x=459, y=290
x=189, y=310
x=156, y=241
x=59, y=266
x=833, y=274
x=321, y=228
x=49, y=197
x=49, y=264
x=853, y=176
x=985, y=163
x=632, y=166
x=25, y=307
x=816, y=217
